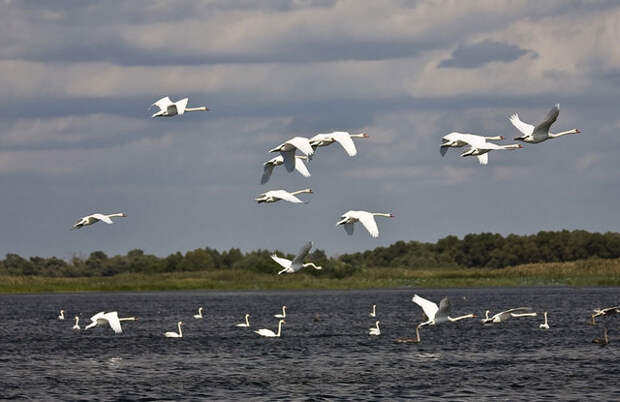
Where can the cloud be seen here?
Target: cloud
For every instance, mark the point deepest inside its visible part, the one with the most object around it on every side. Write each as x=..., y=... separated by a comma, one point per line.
x=479, y=54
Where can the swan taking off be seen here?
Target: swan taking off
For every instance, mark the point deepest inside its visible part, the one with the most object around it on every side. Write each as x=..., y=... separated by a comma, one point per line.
x=341, y=137
x=366, y=218
x=61, y=316
x=544, y=325
x=269, y=333
x=279, y=160
x=172, y=334
x=603, y=312
x=373, y=313
x=458, y=140
x=199, y=315
x=540, y=133
x=283, y=315
x=435, y=314
x=277, y=195
x=287, y=151
x=110, y=319
x=94, y=218
x=480, y=148
x=244, y=324
x=290, y=267
x=168, y=108
x=375, y=330
x=503, y=316
x=76, y=326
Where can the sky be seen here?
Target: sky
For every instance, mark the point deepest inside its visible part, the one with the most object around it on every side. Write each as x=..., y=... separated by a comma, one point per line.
x=76, y=136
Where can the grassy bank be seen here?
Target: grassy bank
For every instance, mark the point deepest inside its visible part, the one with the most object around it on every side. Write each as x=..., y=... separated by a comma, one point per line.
x=578, y=273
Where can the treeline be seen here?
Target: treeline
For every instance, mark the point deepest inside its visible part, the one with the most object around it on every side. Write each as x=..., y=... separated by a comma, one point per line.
x=474, y=250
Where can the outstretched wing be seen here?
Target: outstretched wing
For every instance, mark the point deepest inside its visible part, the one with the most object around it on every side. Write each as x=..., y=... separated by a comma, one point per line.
x=103, y=218
x=163, y=103
x=303, y=252
x=286, y=263
x=289, y=160
x=443, y=150
x=115, y=324
x=525, y=128
x=286, y=196
x=483, y=159
x=348, y=227
x=267, y=170
x=344, y=139
x=368, y=220
x=302, y=144
x=181, y=106
x=300, y=166
x=444, y=307
x=430, y=309
x=552, y=116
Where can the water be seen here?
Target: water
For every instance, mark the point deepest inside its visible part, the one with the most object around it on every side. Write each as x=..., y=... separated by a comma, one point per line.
x=324, y=352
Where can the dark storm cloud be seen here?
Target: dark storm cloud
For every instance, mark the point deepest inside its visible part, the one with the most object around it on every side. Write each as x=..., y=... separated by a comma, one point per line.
x=479, y=54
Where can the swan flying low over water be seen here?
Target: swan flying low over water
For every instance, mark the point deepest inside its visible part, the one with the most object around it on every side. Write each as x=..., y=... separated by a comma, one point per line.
x=110, y=319
x=366, y=218
x=605, y=312
x=341, y=137
x=279, y=160
x=435, y=314
x=540, y=133
x=502, y=316
x=172, y=334
x=269, y=333
x=277, y=195
x=168, y=108
x=94, y=218
x=290, y=267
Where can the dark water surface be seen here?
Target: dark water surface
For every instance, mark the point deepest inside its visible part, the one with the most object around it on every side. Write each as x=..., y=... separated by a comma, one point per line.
x=330, y=358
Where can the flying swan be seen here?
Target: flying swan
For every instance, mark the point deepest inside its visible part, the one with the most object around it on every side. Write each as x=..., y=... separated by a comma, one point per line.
x=168, y=108
x=269, y=333
x=540, y=133
x=172, y=334
x=287, y=151
x=458, y=140
x=502, y=316
x=480, y=148
x=290, y=267
x=94, y=218
x=341, y=137
x=434, y=314
x=277, y=195
x=279, y=160
x=608, y=311
x=366, y=218
x=110, y=319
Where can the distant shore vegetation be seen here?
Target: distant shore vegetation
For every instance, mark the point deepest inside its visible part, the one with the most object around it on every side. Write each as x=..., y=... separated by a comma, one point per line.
x=471, y=261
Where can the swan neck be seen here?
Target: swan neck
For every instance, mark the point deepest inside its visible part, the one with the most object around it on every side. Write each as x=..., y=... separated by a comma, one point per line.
x=196, y=109
x=461, y=317
x=305, y=190
x=561, y=133
x=382, y=214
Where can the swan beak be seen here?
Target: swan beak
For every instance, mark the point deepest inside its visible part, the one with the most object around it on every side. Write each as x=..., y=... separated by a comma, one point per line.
x=391, y=215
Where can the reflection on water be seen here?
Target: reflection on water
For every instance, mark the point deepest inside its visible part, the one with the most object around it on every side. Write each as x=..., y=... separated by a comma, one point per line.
x=330, y=358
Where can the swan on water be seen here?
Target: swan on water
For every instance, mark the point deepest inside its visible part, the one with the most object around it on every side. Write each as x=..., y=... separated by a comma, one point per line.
x=540, y=133
x=61, y=316
x=94, y=218
x=199, y=315
x=172, y=334
x=268, y=166
x=366, y=218
x=283, y=315
x=458, y=140
x=269, y=333
x=168, y=108
x=373, y=313
x=341, y=137
x=544, y=325
x=297, y=264
x=110, y=319
x=244, y=324
x=375, y=330
x=277, y=195
x=603, y=312
x=502, y=316
x=76, y=326
x=287, y=151
x=435, y=314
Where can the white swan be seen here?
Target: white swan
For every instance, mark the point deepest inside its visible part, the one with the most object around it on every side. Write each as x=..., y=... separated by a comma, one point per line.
x=283, y=315
x=605, y=312
x=502, y=316
x=375, y=330
x=458, y=140
x=480, y=148
x=172, y=334
x=341, y=137
x=287, y=151
x=244, y=324
x=290, y=267
x=540, y=133
x=435, y=314
x=167, y=108
x=277, y=195
x=516, y=315
x=373, y=313
x=199, y=315
x=279, y=160
x=269, y=333
x=366, y=218
x=76, y=326
x=94, y=218
x=110, y=319
x=61, y=316
x=544, y=325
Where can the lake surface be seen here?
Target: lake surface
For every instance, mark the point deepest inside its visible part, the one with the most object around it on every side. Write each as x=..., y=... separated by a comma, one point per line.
x=324, y=353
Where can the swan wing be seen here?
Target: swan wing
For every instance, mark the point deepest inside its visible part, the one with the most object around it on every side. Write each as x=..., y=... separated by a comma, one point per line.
x=163, y=103
x=286, y=263
x=525, y=128
x=114, y=322
x=344, y=139
x=348, y=227
x=369, y=223
x=300, y=166
x=430, y=309
x=302, y=144
x=483, y=159
x=303, y=252
x=504, y=315
x=475, y=141
x=444, y=307
x=286, y=196
x=289, y=160
x=267, y=170
x=542, y=129
x=181, y=106
x=102, y=218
